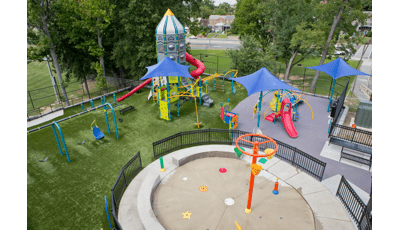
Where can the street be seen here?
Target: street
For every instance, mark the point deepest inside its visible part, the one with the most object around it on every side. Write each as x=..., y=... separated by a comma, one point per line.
x=213, y=43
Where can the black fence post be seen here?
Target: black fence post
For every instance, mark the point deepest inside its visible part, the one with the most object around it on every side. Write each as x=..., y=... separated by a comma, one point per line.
x=304, y=77
x=29, y=93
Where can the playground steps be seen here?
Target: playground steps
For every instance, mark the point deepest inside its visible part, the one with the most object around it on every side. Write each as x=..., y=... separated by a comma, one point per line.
x=207, y=100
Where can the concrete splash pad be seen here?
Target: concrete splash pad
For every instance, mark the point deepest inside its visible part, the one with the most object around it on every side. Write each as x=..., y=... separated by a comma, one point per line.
x=174, y=196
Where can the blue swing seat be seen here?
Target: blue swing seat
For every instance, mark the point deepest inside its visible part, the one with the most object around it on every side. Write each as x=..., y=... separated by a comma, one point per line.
x=97, y=133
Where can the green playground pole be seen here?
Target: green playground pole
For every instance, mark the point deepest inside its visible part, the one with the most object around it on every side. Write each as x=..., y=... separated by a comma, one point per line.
x=206, y=87
x=115, y=100
x=82, y=107
x=162, y=165
x=62, y=140
x=259, y=109
x=105, y=113
x=214, y=82
x=91, y=103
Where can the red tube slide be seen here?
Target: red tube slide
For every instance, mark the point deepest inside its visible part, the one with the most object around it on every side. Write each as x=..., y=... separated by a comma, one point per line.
x=134, y=90
x=200, y=66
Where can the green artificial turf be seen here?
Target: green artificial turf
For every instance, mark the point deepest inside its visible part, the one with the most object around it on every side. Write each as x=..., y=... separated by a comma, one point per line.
x=63, y=195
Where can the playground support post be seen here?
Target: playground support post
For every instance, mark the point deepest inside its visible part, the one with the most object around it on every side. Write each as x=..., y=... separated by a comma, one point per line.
x=254, y=161
x=223, y=81
x=62, y=139
x=115, y=120
x=330, y=98
x=91, y=103
x=105, y=114
x=277, y=102
x=169, y=100
x=58, y=142
x=179, y=92
x=259, y=109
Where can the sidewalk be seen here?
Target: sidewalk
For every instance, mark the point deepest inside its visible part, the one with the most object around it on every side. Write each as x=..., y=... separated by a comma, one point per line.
x=366, y=67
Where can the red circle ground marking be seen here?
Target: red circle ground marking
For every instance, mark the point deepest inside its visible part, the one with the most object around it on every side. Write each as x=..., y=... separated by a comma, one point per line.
x=222, y=170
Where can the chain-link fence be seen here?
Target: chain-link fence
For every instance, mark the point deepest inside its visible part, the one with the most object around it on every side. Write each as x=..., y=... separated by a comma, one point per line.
x=299, y=77
x=47, y=99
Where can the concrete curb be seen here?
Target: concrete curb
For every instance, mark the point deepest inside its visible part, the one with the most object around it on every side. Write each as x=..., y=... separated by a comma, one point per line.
x=328, y=211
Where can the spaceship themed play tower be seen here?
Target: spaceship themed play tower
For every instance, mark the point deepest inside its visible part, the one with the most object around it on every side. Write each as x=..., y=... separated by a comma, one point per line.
x=170, y=42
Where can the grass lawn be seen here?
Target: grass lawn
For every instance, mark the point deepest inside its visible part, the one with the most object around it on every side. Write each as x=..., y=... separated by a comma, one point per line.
x=62, y=195
x=40, y=86
x=222, y=36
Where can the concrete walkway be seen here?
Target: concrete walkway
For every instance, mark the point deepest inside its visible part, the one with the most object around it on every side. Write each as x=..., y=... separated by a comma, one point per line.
x=136, y=208
x=366, y=67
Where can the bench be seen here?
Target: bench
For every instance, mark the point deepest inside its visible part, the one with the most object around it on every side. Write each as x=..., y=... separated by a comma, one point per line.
x=358, y=159
x=122, y=111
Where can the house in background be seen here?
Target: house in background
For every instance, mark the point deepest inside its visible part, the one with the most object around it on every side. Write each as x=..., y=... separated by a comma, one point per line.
x=367, y=26
x=220, y=22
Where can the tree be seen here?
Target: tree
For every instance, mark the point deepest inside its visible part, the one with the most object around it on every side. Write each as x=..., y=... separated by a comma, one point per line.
x=205, y=12
x=40, y=16
x=250, y=57
x=93, y=16
x=135, y=47
x=344, y=14
x=291, y=24
x=367, y=5
x=227, y=7
x=248, y=21
x=220, y=11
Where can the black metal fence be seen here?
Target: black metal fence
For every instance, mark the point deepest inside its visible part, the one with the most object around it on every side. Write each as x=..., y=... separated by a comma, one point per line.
x=50, y=98
x=339, y=108
x=354, y=205
x=128, y=172
x=290, y=154
x=352, y=135
x=300, y=77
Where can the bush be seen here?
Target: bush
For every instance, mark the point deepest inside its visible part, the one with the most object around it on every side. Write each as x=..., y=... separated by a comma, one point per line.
x=346, y=37
x=369, y=34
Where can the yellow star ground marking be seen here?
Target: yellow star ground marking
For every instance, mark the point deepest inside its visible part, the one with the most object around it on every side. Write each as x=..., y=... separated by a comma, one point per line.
x=186, y=215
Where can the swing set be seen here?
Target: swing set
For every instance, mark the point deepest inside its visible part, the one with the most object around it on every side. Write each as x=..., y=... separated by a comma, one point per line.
x=98, y=135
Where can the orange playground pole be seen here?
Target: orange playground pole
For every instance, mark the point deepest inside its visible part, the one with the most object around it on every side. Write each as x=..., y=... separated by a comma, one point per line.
x=254, y=156
x=255, y=152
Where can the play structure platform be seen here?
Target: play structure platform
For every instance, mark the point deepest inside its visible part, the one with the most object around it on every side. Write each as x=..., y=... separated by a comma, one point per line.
x=193, y=185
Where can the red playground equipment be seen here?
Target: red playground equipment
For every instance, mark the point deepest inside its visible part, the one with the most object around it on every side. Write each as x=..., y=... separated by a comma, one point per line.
x=255, y=168
x=286, y=116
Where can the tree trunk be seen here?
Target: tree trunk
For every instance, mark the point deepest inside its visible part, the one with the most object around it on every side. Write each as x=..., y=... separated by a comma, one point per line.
x=115, y=78
x=325, y=52
x=289, y=66
x=86, y=86
x=100, y=42
x=122, y=76
x=55, y=60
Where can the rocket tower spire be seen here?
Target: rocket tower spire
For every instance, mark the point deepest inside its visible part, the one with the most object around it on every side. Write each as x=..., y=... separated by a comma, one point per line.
x=170, y=38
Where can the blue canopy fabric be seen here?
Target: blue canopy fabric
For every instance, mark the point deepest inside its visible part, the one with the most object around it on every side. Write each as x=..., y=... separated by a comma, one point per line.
x=167, y=67
x=262, y=80
x=337, y=68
